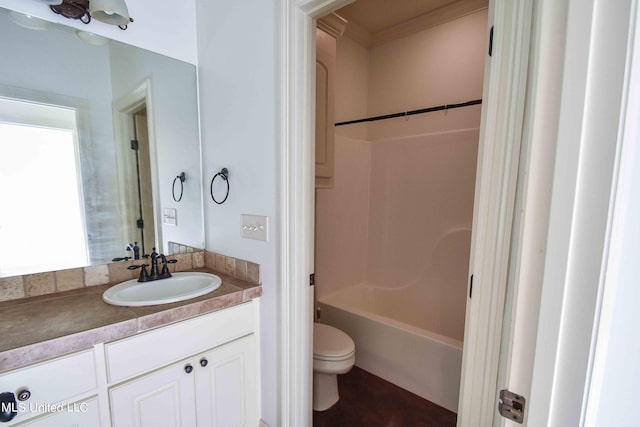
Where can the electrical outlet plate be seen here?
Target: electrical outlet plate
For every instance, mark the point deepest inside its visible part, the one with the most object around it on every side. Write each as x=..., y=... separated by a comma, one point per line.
x=169, y=216
x=255, y=227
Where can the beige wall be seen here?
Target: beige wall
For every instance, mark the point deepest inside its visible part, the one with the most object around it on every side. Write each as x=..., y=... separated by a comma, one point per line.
x=403, y=196
x=352, y=86
x=441, y=65
x=342, y=219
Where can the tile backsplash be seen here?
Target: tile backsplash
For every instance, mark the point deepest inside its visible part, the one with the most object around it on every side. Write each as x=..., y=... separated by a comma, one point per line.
x=30, y=285
x=238, y=268
x=178, y=248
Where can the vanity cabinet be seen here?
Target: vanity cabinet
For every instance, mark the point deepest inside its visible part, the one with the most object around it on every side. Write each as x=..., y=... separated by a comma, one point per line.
x=200, y=372
x=162, y=398
x=213, y=388
x=77, y=414
x=62, y=391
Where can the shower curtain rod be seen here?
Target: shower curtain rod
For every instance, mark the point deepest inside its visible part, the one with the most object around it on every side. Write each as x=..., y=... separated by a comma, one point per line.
x=411, y=113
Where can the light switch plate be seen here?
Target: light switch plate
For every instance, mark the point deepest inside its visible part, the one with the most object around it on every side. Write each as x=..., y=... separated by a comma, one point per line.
x=255, y=227
x=169, y=216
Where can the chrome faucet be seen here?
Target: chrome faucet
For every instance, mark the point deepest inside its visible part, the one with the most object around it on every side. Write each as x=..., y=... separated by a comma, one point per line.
x=154, y=275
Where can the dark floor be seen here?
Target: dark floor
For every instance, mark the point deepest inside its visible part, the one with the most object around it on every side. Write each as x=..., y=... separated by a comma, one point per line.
x=367, y=400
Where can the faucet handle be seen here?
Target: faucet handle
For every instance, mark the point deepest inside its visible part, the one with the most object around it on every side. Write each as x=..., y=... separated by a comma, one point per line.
x=165, y=266
x=144, y=275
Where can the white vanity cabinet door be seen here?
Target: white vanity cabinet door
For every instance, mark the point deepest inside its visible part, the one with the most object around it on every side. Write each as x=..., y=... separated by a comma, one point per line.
x=78, y=414
x=163, y=398
x=226, y=387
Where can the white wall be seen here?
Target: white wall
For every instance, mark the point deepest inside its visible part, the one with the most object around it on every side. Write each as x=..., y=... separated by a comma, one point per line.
x=237, y=59
x=352, y=86
x=160, y=26
x=441, y=65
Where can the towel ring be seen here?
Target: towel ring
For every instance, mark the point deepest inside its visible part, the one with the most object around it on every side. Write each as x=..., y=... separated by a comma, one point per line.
x=182, y=177
x=224, y=174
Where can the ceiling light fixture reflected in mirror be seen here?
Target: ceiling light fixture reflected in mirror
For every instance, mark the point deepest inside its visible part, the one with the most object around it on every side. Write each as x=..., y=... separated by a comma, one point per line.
x=91, y=38
x=28, y=21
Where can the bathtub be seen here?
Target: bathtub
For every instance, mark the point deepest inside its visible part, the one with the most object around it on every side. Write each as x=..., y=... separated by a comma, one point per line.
x=408, y=347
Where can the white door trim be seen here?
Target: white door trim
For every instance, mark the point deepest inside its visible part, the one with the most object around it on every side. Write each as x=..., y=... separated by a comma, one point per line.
x=498, y=158
x=297, y=178
x=593, y=90
x=497, y=173
x=531, y=216
x=123, y=108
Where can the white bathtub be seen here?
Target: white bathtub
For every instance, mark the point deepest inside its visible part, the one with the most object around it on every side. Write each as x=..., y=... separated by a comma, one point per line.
x=411, y=350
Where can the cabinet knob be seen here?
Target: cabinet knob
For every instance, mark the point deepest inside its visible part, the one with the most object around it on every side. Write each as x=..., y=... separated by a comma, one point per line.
x=8, y=407
x=24, y=394
x=204, y=362
x=188, y=369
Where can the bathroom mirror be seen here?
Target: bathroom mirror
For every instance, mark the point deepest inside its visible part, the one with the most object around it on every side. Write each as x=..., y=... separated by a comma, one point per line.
x=93, y=133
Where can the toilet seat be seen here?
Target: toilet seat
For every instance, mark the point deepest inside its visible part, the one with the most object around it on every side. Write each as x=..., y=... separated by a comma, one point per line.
x=331, y=344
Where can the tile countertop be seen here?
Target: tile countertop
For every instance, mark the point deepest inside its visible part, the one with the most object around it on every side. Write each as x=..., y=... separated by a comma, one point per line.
x=40, y=328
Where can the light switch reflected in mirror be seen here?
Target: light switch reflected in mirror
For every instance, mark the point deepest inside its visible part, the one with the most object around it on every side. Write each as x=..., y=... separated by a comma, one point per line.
x=87, y=198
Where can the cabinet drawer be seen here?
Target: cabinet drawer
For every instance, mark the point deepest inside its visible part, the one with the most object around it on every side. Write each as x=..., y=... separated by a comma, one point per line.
x=150, y=350
x=73, y=415
x=51, y=382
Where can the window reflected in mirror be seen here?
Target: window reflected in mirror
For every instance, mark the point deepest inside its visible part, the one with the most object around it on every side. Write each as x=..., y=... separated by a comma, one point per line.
x=40, y=174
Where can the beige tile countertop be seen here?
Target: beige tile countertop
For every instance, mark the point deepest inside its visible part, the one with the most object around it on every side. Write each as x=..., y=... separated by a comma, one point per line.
x=40, y=328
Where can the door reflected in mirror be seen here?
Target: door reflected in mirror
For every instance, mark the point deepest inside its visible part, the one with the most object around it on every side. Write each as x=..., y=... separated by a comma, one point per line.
x=82, y=200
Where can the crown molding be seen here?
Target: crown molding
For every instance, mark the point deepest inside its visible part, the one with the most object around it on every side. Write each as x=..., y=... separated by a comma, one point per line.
x=333, y=24
x=358, y=34
x=428, y=20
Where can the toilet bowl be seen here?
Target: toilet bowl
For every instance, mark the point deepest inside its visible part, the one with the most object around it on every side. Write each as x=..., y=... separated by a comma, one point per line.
x=333, y=353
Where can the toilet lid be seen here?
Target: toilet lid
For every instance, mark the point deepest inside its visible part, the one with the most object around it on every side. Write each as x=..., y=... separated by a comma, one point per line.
x=331, y=342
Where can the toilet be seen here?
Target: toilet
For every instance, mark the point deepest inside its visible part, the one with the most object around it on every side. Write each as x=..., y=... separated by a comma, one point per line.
x=333, y=353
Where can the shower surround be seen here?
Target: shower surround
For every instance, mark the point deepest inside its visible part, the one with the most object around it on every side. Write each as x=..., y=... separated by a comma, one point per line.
x=392, y=249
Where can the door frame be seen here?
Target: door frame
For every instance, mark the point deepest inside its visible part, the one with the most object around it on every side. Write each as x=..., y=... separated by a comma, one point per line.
x=499, y=149
x=123, y=110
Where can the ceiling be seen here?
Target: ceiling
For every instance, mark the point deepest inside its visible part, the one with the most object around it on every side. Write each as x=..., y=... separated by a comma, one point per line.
x=378, y=21
x=378, y=15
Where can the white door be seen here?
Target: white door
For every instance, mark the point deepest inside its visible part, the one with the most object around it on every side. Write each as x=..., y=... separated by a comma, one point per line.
x=226, y=385
x=164, y=398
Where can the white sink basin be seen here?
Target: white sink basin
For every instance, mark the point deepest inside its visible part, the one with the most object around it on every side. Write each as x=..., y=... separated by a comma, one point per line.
x=179, y=287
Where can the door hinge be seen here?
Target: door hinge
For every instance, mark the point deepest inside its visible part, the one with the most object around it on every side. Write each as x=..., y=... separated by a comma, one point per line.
x=511, y=406
x=140, y=223
x=312, y=279
x=470, y=286
x=491, y=41
x=134, y=145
